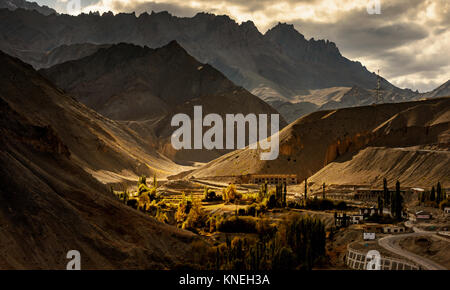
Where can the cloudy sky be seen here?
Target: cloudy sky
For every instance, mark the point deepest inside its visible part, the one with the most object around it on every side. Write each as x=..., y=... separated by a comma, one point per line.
x=409, y=41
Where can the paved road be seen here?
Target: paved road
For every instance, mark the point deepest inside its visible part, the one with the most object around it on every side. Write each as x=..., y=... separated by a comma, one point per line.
x=390, y=243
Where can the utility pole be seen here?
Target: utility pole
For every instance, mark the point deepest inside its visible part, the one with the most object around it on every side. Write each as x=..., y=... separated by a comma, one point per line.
x=379, y=99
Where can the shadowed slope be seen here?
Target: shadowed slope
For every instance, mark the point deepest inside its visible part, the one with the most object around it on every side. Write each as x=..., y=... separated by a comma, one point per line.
x=49, y=204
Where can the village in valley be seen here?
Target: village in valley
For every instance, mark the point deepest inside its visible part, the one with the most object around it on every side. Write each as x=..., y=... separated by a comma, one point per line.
x=403, y=228
x=260, y=136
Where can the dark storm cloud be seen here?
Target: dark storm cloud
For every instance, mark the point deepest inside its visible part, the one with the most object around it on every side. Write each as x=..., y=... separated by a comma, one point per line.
x=356, y=37
x=358, y=33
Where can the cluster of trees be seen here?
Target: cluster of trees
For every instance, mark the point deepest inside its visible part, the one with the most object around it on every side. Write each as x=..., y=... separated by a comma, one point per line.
x=393, y=200
x=230, y=194
x=318, y=204
x=190, y=214
x=210, y=195
x=296, y=243
x=146, y=199
x=280, y=195
x=397, y=202
x=275, y=198
x=436, y=196
x=236, y=224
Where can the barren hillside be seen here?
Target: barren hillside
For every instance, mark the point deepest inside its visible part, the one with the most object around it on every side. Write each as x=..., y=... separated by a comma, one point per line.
x=325, y=137
x=105, y=148
x=50, y=204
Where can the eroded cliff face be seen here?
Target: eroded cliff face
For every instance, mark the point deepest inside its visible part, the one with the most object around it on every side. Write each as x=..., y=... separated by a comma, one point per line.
x=347, y=144
x=291, y=146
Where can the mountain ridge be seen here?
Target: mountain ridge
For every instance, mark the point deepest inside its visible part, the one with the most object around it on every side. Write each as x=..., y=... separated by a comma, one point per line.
x=246, y=56
x=146, y=87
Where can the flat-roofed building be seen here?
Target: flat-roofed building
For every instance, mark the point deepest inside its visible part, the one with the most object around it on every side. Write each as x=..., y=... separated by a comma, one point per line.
x=372, y=228
x=368, y=211
x=393, y=229
x=422, y=216
x=273, y=178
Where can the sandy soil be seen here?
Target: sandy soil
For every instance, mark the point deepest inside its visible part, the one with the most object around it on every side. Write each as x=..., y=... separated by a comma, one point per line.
x=433, y=248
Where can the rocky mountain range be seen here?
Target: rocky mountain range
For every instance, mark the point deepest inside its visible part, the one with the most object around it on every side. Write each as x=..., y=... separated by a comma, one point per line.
x=280, y=66
x=280, y=63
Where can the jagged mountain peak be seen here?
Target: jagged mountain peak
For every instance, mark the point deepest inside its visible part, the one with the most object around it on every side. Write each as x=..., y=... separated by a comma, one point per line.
x=286, y=35
x=284, y=30
x=214, y=17
x=249, y=25
x=284, y=26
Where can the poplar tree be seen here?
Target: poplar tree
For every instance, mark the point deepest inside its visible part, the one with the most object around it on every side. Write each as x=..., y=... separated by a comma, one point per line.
x=380, y=206
x=386, y=192
x=323, y=191
x=398, y=207
x=438, y=193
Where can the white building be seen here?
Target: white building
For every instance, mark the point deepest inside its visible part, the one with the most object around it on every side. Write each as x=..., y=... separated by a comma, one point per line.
x=357, y=219
x=369, y=236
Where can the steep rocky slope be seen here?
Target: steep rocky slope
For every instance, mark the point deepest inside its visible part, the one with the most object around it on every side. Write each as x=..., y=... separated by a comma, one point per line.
x=49, y=204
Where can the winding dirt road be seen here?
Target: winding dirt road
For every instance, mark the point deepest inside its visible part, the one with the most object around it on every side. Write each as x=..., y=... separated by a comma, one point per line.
x=390, y=243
